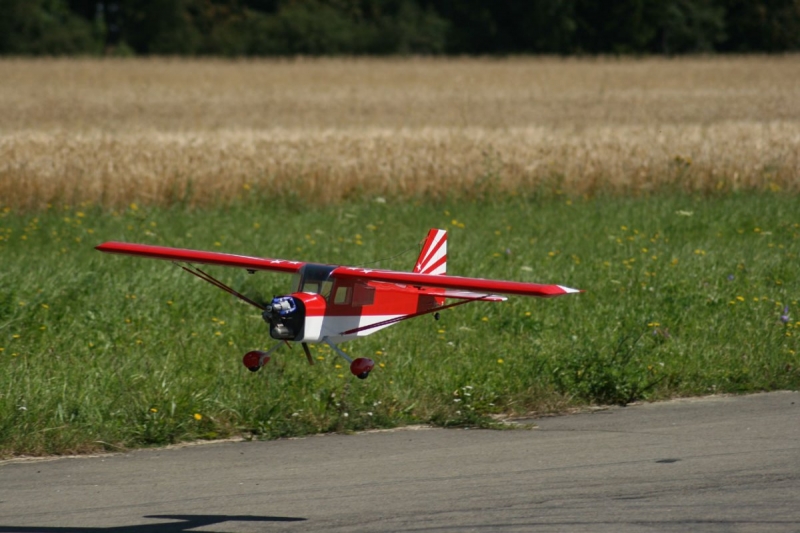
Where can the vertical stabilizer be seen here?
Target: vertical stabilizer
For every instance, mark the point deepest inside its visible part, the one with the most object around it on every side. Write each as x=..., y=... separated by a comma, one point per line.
x=433, y=257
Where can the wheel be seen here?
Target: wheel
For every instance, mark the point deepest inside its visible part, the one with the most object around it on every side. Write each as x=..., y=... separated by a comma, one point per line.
x=361, y=367
x=255, y=360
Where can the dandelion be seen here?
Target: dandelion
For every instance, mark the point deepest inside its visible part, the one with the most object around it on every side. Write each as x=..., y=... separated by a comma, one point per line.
x=500, y=361
x=153, y=410
x=198, y=416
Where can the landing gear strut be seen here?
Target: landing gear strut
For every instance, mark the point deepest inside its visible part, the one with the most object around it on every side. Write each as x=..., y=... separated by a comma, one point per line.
x=360, y=367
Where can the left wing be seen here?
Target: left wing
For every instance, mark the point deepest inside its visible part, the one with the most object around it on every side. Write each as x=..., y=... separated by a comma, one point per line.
x=467, y=295
x=199, y=256
x=458, y=283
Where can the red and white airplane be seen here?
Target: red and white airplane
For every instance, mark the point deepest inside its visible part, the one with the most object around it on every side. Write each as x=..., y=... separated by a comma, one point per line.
x=331, y=304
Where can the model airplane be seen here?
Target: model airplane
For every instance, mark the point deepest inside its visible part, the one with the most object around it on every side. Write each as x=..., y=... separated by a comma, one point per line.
x=331, y=304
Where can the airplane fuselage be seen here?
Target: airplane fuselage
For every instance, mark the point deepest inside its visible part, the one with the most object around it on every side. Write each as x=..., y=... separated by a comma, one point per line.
x=346, y=311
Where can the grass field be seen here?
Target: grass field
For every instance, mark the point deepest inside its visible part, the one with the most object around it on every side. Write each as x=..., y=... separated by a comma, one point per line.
x=684, y=296
x=667, y=189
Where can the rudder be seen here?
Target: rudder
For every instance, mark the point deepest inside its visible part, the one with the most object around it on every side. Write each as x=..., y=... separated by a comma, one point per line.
x=433, y=257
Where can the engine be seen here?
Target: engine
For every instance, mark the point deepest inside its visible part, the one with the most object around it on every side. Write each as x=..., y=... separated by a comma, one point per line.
x=286, y=318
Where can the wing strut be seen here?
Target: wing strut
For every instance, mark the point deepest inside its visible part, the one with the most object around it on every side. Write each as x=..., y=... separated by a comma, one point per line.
x=215, y=282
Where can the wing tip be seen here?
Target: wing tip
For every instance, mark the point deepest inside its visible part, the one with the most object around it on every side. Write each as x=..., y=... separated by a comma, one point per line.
x=570, y=290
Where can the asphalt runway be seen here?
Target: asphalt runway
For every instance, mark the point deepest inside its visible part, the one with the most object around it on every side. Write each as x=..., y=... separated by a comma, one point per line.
x=719, y=464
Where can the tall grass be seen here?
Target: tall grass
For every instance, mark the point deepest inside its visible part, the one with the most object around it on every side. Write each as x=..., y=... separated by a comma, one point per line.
x=166, y=132
x=684, y=296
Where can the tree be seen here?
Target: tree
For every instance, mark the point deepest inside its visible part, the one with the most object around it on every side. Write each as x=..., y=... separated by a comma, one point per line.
x=44, y=27
x=762, y=25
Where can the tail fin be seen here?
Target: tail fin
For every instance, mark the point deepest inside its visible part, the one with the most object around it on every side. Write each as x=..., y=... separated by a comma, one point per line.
x=433, y=257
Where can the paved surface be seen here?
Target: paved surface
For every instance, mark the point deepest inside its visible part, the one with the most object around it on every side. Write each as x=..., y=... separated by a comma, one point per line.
x=722, y=464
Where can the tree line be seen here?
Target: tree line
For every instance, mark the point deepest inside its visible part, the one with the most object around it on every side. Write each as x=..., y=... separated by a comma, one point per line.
x=387, y=27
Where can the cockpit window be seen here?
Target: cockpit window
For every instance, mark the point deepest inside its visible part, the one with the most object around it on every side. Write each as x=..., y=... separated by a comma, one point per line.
x=342, y=296
x=310, y=286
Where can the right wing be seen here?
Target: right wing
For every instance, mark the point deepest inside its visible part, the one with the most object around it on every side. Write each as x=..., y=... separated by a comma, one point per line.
x=199, y=256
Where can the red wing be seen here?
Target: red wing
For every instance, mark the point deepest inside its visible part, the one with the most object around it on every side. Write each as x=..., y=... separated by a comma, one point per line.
x=479, y=285
x=198, y=256
x=467, y=295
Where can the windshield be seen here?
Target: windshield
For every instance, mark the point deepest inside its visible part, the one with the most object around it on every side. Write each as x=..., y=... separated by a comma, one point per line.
x=314, y=278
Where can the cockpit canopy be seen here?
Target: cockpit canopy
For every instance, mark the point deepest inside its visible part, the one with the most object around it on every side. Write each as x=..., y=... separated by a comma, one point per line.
x=314, y=278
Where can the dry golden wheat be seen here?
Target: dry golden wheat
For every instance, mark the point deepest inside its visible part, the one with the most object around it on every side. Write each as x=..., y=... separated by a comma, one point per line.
x=201, y=132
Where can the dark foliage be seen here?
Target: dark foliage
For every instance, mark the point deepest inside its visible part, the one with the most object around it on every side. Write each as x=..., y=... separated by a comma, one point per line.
x=378, y=27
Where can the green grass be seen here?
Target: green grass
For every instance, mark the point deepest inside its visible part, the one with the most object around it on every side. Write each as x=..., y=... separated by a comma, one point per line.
x=684, y=296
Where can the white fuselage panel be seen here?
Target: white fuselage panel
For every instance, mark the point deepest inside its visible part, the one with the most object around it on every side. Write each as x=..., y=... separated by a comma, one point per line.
x=333, y=327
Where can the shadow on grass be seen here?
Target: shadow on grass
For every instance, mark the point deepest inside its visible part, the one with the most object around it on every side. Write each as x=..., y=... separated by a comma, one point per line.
x=185, y=523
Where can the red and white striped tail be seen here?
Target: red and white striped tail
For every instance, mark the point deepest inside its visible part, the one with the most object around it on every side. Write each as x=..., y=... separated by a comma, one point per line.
x=433, y=257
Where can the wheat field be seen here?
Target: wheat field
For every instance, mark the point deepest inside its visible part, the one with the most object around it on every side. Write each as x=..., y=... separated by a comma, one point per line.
x=203, y=132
